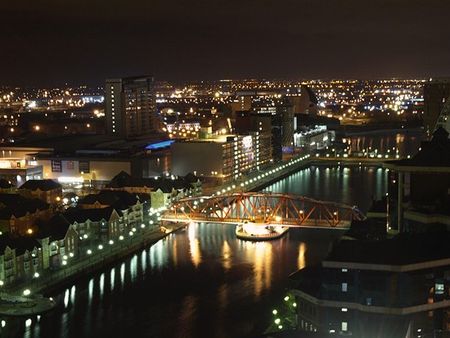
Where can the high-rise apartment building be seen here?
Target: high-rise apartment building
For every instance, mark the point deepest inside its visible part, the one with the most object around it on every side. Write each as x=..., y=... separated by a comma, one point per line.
x=130, y=106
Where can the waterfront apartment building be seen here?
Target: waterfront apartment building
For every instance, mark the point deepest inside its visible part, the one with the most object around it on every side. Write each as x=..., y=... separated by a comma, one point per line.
x=223, y=158
x=130, y=106
x=388, y=288
x=419, y=187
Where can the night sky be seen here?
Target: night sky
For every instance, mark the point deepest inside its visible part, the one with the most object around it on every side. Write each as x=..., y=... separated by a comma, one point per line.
x=86, y=41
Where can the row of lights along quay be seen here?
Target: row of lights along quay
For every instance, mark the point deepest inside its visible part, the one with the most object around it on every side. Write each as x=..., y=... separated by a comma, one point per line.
x=97, y=190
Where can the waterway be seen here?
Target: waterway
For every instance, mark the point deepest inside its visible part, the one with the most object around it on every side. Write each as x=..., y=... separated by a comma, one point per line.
x=401, y=143
x=355, y=185
x=202, y=281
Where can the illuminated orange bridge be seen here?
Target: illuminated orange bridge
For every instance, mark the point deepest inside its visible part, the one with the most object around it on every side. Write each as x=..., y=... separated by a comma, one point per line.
x=263, y=208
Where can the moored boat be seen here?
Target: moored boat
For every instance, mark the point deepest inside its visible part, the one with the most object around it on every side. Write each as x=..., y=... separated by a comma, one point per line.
x=260, y=232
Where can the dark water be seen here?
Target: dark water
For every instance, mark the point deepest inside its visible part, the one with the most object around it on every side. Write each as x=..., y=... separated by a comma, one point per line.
x=203, y=282
x=350, y=185
x=401, y=143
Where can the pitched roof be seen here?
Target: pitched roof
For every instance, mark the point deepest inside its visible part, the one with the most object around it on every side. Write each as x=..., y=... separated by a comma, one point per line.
x=179, y=183
x=44, y=185
x=17, y=205
x=117, y=199
x=56, y=228
x=21, y=244
x=82, y=215
x=405, y=248
x=165, y=185
x=123, y=179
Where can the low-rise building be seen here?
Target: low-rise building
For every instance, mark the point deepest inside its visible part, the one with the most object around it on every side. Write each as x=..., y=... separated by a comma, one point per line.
x=99, y=224
x=123, y=181
x=19, y=214
x=166, y=190
x=130, y=206
x=20, y=258
x=59, y=240
x=47, y=190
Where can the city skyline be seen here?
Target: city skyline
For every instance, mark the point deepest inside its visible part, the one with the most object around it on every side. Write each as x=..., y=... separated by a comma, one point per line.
x=217, y=168
x=52, y=43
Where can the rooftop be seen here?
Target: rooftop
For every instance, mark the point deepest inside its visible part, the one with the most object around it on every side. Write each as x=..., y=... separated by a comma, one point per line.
x=43, y=185
x=21, y=244
x=120, y=200
x=73, y=143
x=18, y=206
x=405, y=248
x=55, y=228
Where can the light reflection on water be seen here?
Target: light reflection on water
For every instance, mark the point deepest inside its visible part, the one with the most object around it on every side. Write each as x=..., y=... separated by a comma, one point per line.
x=406, y=143
x=357, y=185
x=112, y=277
x=194, y=244
x=301, y=263
x=231, y=274
x=226, y=253
x=202, y=281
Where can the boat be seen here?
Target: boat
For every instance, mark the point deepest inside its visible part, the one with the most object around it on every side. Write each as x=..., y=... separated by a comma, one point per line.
x=260, y=231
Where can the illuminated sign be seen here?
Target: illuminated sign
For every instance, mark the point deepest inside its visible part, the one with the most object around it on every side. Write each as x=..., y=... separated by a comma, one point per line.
x=67, y=179
x=159, y=145
x=56, y=166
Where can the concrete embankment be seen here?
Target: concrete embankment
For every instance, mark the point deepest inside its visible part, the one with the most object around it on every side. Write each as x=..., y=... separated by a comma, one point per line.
x=273, y=178
x=17, y=306
x=100, y=259
x=259, y=180
x=349, y=161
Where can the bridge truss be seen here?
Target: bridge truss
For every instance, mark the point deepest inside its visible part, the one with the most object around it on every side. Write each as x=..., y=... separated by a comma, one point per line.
x=263, y=208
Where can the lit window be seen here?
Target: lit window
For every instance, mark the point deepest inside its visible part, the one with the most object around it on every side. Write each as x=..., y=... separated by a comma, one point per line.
x=344, y=326
x=439, y=288
x=344, y=287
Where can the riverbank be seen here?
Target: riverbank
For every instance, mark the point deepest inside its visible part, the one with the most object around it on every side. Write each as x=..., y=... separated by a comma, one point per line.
x=110, y=254
x=259, y=180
